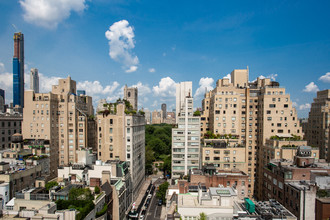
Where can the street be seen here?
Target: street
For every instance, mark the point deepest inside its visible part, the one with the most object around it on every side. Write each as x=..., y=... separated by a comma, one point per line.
x=154, y=210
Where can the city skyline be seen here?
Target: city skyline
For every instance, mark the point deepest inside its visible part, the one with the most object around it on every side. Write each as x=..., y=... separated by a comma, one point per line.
x=287, y=41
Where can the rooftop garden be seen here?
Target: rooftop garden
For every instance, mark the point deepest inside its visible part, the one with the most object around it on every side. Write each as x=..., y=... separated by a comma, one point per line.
x=112, y=108
x=292, y=138
x=210, y=135
x=197, y=113
x=79, y=199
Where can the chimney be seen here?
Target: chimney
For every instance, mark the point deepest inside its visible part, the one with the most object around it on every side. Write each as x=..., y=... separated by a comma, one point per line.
x=106, y=176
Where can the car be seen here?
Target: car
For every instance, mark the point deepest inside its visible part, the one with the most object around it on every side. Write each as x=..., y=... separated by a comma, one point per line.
x=160, y=202
x=143, y=213
x=149, y=196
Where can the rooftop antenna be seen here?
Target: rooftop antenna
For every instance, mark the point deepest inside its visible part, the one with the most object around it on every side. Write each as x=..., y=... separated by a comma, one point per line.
x=14, y=26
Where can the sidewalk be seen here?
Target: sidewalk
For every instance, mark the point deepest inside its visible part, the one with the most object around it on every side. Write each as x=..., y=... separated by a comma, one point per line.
x=142, y=191
x=162, y=215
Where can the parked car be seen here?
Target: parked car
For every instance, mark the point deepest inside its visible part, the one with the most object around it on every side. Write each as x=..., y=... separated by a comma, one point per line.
x=149, y=196
x=160, y=202
x=143, y=213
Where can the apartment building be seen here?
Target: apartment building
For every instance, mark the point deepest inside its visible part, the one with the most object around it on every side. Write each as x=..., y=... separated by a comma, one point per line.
x=121, y=136
x=317, y=128
x=186, y=137
x=278, y=147
x=223, y=154
x=159, y=117
x=156, y=117
x=61, y=117
x=250, y=111
x=9, y=124
x=294, y=183
x=183, y=89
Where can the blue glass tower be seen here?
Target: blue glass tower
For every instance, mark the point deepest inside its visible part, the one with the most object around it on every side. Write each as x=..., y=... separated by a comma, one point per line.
x=18, y=70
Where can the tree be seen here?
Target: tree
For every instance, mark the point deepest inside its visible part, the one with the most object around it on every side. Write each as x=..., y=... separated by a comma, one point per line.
x=80, y=194
x=202, y=216
x=149, y=158
x=161, y=193
x=50, y=185
x=97, y=190
x=197, y=113
x=167, y=165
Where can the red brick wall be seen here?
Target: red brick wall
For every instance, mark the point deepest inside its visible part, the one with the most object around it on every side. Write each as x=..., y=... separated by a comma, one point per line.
x=322, y=210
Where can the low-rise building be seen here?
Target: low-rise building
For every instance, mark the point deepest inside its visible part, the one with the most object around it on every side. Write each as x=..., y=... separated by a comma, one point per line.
x=216, y=202
x=289, y=182
x=9, y=124
x=270, y=210
x=232, y=178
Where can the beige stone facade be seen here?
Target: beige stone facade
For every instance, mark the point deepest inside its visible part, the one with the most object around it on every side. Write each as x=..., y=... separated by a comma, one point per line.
x=60, y=117
x=121, y=136
x=252, y=111
x=131, y=95
x=317, y=128
x=224, y=154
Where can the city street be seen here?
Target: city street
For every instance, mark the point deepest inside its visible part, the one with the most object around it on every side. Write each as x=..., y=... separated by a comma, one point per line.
x=153, y=210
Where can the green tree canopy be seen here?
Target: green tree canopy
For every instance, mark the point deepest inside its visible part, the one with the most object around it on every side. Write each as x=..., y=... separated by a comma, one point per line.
x=50, y=185
x=161, y=193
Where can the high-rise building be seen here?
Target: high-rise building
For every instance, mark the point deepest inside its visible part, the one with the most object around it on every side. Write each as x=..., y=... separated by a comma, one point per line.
x=81, y=92
x=247, y=114
x=317, y=129
x=164, y=111
x=131, y=95
x=2, y=100
x=121, y=136
x=183, y=90
x=147, y=116
x=34, y=80
x=62, y=118
x=18, y=70
x=186, y=137
x=156, y=117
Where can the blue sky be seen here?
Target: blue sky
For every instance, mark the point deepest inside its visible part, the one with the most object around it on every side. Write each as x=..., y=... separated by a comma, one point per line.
x=155, y=44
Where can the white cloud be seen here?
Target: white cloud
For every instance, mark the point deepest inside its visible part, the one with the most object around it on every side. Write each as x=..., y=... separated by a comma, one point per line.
x=121, y=42
x=325, y=78
x=152, y=70
x=49, y=13
x=95, y=88
x=165, y=88
x=45, y=82
x=311, y=87
x=270, y=76
x=228, y=76
x=142, y=89
x=204, y=83
x=2, y=67
x=304, y=106
x=155, y=104
x=131, y=69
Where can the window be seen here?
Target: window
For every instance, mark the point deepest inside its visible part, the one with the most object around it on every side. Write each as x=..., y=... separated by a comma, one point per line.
x=272, y=106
